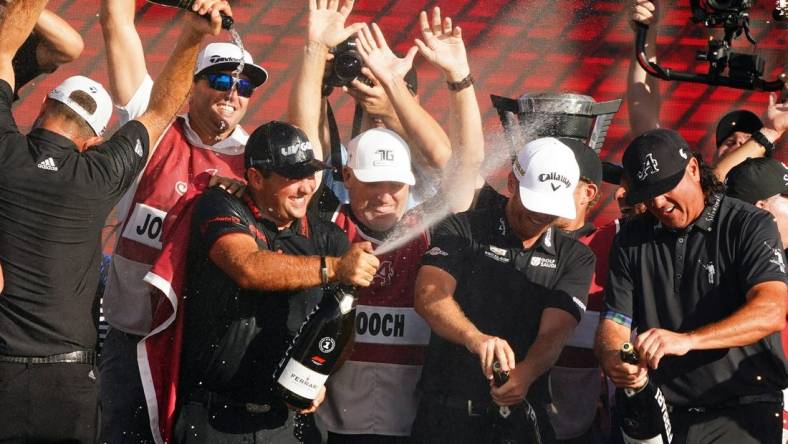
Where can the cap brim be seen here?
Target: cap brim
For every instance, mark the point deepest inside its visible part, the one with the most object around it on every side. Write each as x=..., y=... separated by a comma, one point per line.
x=302, y=170
x=256, y=74
x=636, y=196
x=539, y=203
x=385, y=175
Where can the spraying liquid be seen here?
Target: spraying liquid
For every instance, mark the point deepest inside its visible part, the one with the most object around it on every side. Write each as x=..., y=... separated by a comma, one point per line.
x=497, y=159
x=240, y=68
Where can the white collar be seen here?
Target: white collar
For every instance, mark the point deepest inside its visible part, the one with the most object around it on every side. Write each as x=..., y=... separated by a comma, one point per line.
x=232, y=145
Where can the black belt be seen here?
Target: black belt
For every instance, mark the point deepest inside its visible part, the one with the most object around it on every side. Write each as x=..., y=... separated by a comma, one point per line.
x=75, y=357
x=775, y=397
x=469, y=406
x=207, y=398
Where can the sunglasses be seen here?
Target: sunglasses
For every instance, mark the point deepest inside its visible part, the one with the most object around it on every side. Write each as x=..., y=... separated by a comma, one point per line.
x=225, y=82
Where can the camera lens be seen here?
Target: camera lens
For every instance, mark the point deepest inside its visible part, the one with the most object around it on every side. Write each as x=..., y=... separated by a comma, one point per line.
x=347, y=66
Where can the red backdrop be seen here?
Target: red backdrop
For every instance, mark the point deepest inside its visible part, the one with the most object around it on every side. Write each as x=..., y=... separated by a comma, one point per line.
x=581, y=46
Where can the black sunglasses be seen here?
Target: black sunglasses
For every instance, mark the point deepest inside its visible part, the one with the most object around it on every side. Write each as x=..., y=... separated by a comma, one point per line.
x=224, y=82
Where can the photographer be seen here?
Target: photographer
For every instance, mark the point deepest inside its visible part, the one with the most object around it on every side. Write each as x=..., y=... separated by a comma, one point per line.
x=644, y=102
x=409, y=120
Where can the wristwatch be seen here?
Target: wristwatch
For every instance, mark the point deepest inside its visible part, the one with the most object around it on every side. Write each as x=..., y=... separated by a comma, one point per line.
x=763, y=141
x=462, y=84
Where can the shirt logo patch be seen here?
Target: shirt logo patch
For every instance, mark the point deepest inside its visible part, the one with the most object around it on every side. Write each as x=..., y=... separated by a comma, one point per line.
x=48, y=164
x=778, y=257
x=181, y=187
x=650, y=166
x=385, y=273
x=497, y=253
x=502, y=226
x=546, y=262
x=436, y=251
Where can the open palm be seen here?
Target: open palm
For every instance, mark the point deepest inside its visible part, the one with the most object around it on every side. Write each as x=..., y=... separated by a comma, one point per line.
x=442, y=45
x=379, y=58
x=327, y=22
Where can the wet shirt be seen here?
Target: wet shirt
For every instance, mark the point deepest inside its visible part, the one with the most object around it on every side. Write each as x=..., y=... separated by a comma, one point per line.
x=502, y=289
x=234, y=338
x=681, y=280
x=54, y=202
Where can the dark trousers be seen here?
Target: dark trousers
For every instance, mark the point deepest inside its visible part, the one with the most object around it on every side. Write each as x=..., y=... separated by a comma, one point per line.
x=194, y=426
x=124, y=412
x=338, y=438
x=755, y=423
x=48, y=403
x=437, y=423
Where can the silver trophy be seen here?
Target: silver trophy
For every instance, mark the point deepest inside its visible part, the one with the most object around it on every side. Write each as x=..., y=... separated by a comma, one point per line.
x=555, y=115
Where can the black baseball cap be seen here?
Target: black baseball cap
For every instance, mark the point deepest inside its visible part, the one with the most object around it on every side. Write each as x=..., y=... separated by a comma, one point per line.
x=739, y=120
x=654, y=164
x=283, y=149
x=587, y=159
x=612, y=172
x=757, y=179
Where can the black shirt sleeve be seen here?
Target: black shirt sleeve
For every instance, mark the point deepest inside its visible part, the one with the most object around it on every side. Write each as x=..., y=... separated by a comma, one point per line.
x=570, y=292
x=450, y=246
x=122, y=157
x=217, y=213
x=618, y=299
x=25, y=63
x=7, y=123
x=760, y=257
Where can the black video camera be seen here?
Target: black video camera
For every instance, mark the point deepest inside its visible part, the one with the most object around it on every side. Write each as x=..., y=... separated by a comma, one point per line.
x=346, y=65
x=744, y=71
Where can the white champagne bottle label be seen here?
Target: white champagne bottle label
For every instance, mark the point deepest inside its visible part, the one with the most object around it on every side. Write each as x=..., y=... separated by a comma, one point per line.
x=301, y=380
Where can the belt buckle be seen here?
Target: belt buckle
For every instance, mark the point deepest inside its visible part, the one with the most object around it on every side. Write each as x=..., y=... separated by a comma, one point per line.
x=257, y=408
x=470, y=409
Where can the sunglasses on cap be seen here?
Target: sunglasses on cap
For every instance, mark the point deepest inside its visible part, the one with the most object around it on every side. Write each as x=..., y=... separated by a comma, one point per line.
x=225, y=82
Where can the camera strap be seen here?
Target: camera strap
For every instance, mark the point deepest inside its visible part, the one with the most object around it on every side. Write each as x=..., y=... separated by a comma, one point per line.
x=336, y=144
x=358, y=117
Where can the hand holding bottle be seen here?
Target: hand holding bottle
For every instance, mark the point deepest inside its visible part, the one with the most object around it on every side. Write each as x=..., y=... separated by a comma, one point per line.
x=356, y=267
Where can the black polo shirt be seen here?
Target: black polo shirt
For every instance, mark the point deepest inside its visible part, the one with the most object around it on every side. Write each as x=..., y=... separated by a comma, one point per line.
x=502, y=289
x=681, y=280
x=234, y=338
x=53, y=204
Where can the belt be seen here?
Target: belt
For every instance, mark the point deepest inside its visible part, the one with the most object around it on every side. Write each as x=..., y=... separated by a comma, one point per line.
x=75, y=357
x=469, y=406
x=207, y=398
x=776, y=397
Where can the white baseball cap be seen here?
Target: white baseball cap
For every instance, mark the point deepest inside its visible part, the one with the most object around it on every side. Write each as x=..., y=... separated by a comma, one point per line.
x=223, y=56
x=99, y=118
x=548, y=173
x=380, y=155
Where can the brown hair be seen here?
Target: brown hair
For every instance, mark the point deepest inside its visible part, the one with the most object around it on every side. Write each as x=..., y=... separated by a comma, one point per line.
x=60, y=109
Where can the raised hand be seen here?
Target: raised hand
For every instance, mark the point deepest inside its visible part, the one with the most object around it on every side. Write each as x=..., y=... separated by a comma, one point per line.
x=371, y=96
x=442, y=45
x=327, y=22
x=212, y=8
x=776, y=119
x=379, y=58
x=644, y=11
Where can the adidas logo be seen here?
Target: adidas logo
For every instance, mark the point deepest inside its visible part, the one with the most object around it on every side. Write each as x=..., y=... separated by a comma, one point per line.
x=48, y=164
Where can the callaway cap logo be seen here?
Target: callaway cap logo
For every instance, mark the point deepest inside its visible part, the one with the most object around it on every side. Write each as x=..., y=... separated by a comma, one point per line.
x=544, y=177
x=650, y=166
x=222, y=59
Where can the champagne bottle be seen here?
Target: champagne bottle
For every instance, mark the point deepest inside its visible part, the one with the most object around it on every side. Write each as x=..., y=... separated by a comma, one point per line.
x=515, y=424
x=316, y=348
x=643, y=411
x=227, y=21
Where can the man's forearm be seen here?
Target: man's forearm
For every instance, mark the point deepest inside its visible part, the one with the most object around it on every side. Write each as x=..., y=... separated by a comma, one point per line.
x=610, y=336
x=305, y=97
x=643, y=95
x=467, y=140
x=269, y=271
x=762, y=315
x=172, y=86
x=422, y=129
x=16, y=24
x=125, y=56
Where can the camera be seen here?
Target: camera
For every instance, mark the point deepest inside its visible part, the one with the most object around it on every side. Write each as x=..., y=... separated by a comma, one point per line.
x=345, y=66
x=726, y=67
